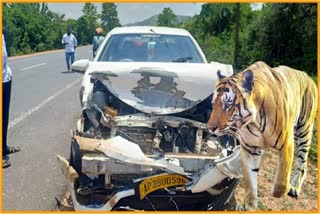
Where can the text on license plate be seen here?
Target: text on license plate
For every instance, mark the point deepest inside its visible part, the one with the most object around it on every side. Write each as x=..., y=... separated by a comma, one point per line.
x=159, y=182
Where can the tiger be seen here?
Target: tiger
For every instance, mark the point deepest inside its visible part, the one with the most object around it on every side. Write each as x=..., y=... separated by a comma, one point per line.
x=264, y=107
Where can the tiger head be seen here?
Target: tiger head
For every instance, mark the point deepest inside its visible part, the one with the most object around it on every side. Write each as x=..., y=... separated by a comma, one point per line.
x=232, y=103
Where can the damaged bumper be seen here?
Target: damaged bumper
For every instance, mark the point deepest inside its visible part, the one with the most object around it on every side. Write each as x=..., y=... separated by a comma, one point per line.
x=135, y=180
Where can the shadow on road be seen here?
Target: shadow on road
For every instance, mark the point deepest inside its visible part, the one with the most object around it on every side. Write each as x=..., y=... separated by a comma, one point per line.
x=67, y=72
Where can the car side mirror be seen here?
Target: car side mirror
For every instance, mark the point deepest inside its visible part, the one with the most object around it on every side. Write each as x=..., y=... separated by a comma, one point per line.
x=80, y=66
x=226, y=69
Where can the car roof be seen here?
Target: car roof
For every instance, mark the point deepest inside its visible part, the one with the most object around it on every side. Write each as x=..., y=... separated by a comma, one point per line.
x=150, y=29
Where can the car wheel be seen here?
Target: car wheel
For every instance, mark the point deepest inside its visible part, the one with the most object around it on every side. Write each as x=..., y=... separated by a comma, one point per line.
x=231, y=204
x=75, y=156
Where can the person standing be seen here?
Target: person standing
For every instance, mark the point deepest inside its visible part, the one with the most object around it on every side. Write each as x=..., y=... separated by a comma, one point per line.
x=70, y=42
x=6, y=93
x=97, y=40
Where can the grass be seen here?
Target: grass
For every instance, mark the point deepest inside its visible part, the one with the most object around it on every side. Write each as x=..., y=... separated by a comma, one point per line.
x=315, y=79
x=308, y=198
x=261, y=206
x=313, y=153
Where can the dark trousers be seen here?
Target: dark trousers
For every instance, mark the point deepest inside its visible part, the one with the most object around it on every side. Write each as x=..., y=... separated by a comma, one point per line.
x=6, y=92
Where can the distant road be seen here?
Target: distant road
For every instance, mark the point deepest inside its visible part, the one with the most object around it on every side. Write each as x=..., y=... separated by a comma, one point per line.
x=44, y=108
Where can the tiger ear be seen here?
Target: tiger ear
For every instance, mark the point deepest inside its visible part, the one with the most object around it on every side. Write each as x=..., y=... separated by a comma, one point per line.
x=247, y=81
x=220, y=76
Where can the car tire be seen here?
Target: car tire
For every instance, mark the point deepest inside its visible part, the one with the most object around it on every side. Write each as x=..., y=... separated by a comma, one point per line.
x=75, y=156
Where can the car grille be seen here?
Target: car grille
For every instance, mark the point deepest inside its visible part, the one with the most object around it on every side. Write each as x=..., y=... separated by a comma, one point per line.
x=139, y=135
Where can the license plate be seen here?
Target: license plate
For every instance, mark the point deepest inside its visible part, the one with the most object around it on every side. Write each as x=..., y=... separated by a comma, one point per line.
x=159, y=182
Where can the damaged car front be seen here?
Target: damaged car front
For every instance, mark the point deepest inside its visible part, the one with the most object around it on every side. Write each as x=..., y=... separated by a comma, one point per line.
x=142, y=141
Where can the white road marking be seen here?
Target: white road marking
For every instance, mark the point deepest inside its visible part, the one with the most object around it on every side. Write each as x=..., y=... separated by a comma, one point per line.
x=32, y=66
x=24, y=115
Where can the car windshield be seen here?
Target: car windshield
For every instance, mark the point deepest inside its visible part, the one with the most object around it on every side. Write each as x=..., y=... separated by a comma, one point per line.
x=150, y=48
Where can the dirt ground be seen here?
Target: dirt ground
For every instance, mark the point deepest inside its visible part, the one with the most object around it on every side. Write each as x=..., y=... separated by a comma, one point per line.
x=307, y=199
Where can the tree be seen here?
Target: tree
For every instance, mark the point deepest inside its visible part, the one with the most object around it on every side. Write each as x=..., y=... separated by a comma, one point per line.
x=90, y=11
x=84, y=33
x=216, y=18
x=167, y=18
x=109, y=16
x=31, y=28
x=213, y=29
x=278, y=34
x=90, y=17
x=44, y=7
x=236, y=35
x=286, y=34
x=55, y=29
x=194, y=26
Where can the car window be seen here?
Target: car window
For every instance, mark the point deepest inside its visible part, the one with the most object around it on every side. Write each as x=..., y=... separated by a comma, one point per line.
x=150, y=48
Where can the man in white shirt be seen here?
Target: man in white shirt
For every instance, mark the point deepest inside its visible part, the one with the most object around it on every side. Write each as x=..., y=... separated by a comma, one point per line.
x=70, y=42
x=6, y=92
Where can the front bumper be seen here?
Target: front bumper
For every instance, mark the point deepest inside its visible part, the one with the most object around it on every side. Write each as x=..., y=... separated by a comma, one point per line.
x=211, y=179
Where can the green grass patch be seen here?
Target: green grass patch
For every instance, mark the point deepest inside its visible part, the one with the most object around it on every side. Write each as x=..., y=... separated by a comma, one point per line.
x=262, y=206
x=313, y=153
x=315, y=79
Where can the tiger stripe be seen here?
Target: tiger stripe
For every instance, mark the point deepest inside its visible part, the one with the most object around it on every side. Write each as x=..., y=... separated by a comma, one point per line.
x=271, y=107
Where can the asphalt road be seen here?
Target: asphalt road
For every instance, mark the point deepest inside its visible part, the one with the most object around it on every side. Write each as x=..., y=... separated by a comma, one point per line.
x=44, y=108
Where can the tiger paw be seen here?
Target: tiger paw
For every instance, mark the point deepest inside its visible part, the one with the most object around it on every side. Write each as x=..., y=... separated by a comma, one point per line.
x=279, y=190
x=293, y=192
x=246, y=207
x=240, y=208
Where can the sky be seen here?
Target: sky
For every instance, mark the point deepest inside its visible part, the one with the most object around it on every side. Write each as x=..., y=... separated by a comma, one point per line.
x=129, y=12
x=133, y=12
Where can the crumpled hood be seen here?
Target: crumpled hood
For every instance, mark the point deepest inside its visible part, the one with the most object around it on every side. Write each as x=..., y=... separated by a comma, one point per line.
x=157, y=88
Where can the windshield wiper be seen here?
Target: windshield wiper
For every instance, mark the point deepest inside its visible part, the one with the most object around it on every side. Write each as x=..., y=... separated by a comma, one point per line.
x=183, y=59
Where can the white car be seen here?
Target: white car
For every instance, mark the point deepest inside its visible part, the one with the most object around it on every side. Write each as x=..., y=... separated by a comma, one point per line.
x=142, y=141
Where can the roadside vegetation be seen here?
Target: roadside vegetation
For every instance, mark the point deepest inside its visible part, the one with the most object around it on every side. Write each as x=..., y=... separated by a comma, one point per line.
x=277, y=34
x=32, y=27
x=233, y=33
x=230, y=33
